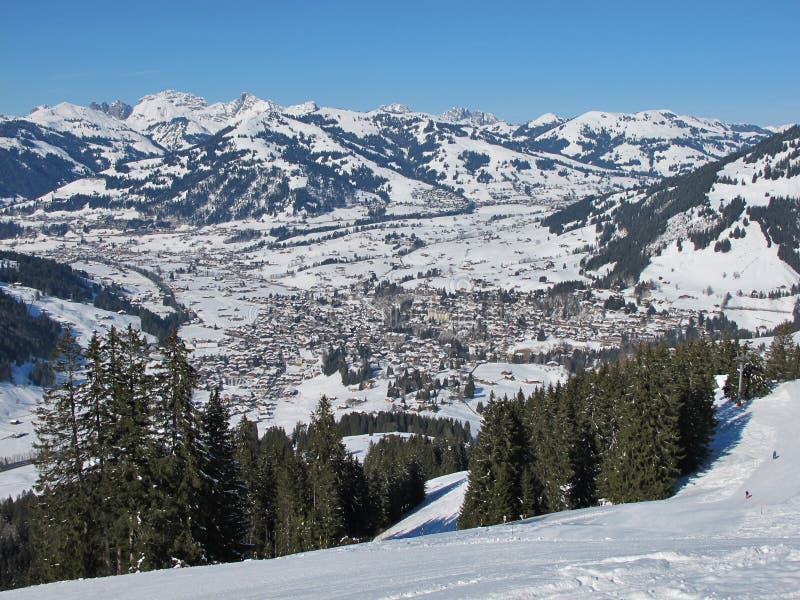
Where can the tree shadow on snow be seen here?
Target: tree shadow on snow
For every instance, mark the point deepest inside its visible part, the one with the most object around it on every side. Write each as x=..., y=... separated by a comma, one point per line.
x=731, y=421
x=439, y=525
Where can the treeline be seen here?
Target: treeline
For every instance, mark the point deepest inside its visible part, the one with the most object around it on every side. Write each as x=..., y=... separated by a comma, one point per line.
x=18, y=566
x=305, y=492
x=48, y=276
x=111, y=299
x=301, y=496
x=62, y=281
x=781, y=363
x=624, y=432
x=779, y=224
x=359, y=423
x=437, y=446
x=133, y=476
x=627, y=239
x=24, y=336
x=335, y=360
x=9, y=230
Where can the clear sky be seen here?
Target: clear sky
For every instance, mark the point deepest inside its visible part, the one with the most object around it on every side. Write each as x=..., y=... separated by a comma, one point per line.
x=739, y=61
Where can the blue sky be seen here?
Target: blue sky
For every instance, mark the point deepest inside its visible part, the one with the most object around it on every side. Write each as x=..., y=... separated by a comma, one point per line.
x=738, y=61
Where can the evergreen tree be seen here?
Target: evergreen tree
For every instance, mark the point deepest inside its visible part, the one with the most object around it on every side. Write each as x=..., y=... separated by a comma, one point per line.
x=174, y=524
x=692, y=387
x=295, y=523
x=550, y=428
x=128, y=469
x=221, y=508
x=584, y=454
x=62, y=508
x=755, y=382
x=642, y=463
x=247, y=460
x=396, y=478
x=495, y=488
x=469, y=387
x=325, y=456
x=98, y=421
x=782, y=359
x=18, y=558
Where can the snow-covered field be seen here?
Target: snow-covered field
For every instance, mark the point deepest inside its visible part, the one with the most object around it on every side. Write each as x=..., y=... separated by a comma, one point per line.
x=706, y=542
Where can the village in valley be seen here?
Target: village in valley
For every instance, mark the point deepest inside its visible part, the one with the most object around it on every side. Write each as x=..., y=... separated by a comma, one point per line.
x=378, y=328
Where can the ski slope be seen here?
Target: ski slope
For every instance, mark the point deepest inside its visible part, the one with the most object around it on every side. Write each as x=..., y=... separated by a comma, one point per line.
x=707, y=541
x=438, y=513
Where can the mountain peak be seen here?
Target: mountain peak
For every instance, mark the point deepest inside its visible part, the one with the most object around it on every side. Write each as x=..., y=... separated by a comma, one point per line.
x=464, y=115
x=117, y=109
x=545, y=119
x=302, y=109
x=176, y=98
x=395, y=108
x=246, y=103
x=779, y=128
x=165, y=106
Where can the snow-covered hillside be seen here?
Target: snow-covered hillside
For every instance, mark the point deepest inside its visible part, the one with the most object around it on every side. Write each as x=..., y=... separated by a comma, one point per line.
x=707, y=240
x=707, y=541
x=657, y=142
x=109, y=139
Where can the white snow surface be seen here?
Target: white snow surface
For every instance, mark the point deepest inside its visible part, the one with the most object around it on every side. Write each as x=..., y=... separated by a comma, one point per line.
x=16, y=481
x=438, y=513
x=707, y=541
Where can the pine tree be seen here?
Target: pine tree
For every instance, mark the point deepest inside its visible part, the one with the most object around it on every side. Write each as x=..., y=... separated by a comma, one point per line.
x=782, y=363
x=97, y=420
x=325, y=456
x=495, y=489
x=755, y=382
x=129, y=470
x=173, y=521
x=59, y=462
x=642, y=462
x=294, y=519
x=469, y=387
x=692, y=388
x=221, y=508
x=584, y=456
x=247, y=450
x=550, y=430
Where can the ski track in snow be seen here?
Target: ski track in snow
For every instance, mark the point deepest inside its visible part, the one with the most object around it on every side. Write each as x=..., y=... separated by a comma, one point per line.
x=707, y=541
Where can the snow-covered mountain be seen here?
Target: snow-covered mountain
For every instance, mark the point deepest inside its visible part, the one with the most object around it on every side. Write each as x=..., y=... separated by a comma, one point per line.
x=732, y=226
x=35, y=159
x=709, y=540
x=178, y=120
x=656, y=142
x=464, y=115
x=178, y=156
x=109, y=139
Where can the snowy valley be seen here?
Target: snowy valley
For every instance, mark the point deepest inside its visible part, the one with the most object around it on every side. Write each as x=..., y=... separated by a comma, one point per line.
x=424, y=267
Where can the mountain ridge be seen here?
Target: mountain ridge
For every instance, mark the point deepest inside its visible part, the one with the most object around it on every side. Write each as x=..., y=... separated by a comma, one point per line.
x=319, y=158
